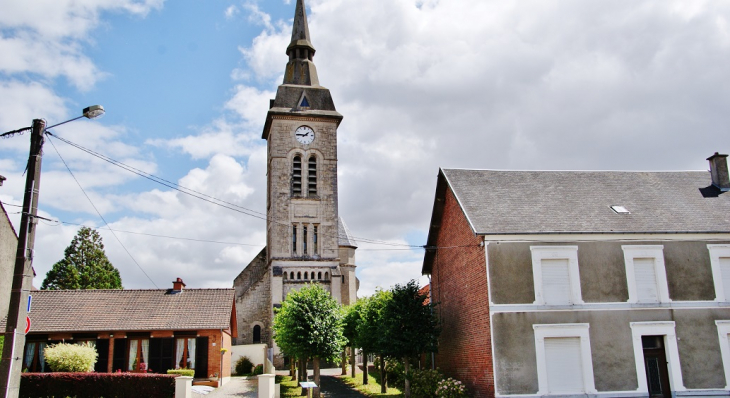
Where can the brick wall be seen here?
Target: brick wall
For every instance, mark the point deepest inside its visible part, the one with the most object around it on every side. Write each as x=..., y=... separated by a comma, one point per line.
x=459, y=282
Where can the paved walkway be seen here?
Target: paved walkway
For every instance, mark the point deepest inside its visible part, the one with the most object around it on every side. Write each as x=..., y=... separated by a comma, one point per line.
x=239, y=387
x=236, y=387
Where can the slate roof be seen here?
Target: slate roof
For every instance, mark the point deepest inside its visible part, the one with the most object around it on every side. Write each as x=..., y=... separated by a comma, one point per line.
x=127, y=310
x=542, y=202
x=344, y=235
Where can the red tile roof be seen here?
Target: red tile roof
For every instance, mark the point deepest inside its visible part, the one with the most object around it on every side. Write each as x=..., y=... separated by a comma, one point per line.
x=125, y=310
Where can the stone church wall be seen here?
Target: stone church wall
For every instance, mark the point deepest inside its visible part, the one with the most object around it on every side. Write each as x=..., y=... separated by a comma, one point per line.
x=253, y=301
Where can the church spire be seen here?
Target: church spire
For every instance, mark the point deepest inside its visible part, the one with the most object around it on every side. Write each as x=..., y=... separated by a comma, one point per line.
x=300, y=68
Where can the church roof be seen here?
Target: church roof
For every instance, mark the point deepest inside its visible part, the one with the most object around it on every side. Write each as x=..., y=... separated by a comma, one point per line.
x=130, y=309
x=345, y=238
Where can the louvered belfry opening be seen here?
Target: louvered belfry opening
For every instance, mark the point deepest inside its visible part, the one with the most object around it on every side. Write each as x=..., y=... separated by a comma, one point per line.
x=296, y=178
x=312, y=177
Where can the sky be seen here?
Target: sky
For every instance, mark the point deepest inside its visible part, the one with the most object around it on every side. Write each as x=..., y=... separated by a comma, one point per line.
x=422, y=84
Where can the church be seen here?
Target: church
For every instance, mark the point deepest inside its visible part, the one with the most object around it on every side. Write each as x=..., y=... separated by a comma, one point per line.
x=306, y=240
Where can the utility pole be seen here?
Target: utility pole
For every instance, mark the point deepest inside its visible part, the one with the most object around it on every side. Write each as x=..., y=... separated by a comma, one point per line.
x=12, y=356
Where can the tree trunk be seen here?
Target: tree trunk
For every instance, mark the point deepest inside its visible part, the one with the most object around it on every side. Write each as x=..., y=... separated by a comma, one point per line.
x=353, y=360
x=364, y=367
x=407, y=392
x=315, y=393
x=293, y=368
x=303, y=374
x=344, y=361
x=383, y=376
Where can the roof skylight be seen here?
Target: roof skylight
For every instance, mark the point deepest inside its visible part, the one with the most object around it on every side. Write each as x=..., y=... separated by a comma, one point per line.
x=620, y=209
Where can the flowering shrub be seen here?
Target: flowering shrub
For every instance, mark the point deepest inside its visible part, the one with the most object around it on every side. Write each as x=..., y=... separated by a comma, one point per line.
x=450, y=388
x=182, y=372
x=425, y=382
x=64, y=357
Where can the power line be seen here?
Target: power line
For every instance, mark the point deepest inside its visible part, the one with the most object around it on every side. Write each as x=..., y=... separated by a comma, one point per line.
x=209, y=198
x=99, y=213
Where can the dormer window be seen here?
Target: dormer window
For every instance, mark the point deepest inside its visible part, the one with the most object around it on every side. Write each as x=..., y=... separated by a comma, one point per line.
x=296, y=176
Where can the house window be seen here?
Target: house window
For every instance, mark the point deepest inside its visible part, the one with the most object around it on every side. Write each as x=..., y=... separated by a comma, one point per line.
x=296, y=176
x=139, y=354
x=720, y=262
x=555, y=274
x=185, y=353
x=645, y=274
x=257, y=334
x=655, y=344
x=312, y=177
x=723, y=332
x=564, y=364
x=34, y=359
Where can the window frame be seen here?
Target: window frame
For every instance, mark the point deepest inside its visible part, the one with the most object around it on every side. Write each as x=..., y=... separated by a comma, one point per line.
x=558, y=330
x=717, y=252
x=570, y=253
x=723, y=330
x=632, y=252
x=657, y=328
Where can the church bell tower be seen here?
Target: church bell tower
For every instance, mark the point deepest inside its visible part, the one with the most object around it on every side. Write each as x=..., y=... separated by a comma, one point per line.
x=303, y=228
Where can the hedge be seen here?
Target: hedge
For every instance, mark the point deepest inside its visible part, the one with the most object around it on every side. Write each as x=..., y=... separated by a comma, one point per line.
x=182, y=372
x=95, y=385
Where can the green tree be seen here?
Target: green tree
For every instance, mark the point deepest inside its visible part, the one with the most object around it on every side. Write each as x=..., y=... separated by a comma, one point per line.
x=369, y=327
x=408, y=326
x=84, y=266
x=309, y=325
x=351, y=320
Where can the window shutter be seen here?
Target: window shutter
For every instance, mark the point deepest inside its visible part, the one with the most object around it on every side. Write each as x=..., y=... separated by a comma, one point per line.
x=646, y=283
x=725, y=271
x=564, y=365
x=555, y=281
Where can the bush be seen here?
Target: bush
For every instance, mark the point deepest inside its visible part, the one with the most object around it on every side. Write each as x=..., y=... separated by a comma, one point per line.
x=181, y=372
x=95, y=385
x=244, y=366
x=424, y=383
x=64, y=357
x=451, y=388
x=258, y=370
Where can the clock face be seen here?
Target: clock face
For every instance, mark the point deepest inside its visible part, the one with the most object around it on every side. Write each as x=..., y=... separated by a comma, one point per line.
x=304, y=135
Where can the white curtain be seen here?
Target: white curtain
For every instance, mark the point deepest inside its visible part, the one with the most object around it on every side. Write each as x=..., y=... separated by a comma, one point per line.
x=191, y=353
x=145, y=350
x=179, y=352
x=132, y=353
x=42, y=356
x=29, y=354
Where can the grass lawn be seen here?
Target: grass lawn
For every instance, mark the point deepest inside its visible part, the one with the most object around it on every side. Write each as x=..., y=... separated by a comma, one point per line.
x=372, y=389
x=289, y=388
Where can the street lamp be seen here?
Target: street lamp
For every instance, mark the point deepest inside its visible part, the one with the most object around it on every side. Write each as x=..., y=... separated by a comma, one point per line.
x=12, y=356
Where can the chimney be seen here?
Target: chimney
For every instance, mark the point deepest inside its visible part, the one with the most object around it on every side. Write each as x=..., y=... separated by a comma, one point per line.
x=178, y=285
x=718, y=170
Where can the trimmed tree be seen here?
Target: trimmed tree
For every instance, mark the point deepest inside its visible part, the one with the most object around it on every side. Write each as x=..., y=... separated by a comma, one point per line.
x=351, y=320
x=309, y=325
x=84, y=266
x=368, y=330
x=409, y=327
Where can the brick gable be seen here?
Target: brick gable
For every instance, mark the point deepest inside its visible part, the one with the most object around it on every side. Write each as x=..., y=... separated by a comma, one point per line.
x=459, y=282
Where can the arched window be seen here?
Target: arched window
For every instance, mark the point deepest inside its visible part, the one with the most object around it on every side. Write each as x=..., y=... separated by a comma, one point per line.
x=296, y=176
x=312, y=176
x=291, y=275
x=285, y=275
x=319, y=275
x=299, y=275
x=257, y=334
x=306, y=275
x=326, y=276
